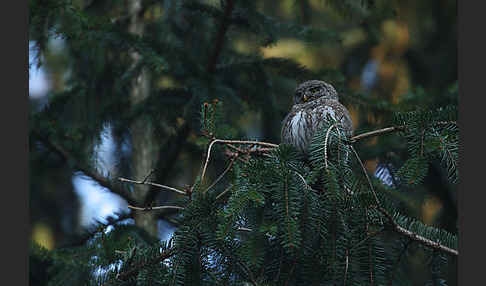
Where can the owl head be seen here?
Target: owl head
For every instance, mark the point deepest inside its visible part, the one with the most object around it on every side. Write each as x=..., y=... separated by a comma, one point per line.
x=314, y=89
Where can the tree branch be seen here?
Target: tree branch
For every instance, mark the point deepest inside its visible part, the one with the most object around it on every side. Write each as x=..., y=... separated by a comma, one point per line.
x=220, y=141
x=224, y=192
x=155, y=208
x=81, y=239
x=167, y=159
x=219, y=41
x=398, y=261
x=377, y=201
x=222, y=174
x=353, y=139
x=154, y=184
x=387, y=130
x=134, y=271
x=100, y=179
x=374, y=133
x=325, y=144
x=416, y=237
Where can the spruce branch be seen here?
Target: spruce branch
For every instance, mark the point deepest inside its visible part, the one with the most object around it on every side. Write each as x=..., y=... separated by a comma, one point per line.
x=398, y=228
x=325, y=144
x=404, y=250
x=248, y=273
x=135, y=270
x=391, y=129
x=370, y=235
x=288, y=219
x=269, y=146
x=294, y=263
x=99, y=228
x=425, y=241
x=370, y=262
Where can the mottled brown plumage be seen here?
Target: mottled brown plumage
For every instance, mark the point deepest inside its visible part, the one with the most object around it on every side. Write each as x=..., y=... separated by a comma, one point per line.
x=313, y=101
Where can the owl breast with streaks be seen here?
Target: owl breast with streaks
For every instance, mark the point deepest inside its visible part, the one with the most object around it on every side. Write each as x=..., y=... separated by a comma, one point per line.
x=314, y=101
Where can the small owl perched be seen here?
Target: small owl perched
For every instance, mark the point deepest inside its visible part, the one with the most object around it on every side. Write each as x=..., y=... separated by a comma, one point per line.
x=313, y=101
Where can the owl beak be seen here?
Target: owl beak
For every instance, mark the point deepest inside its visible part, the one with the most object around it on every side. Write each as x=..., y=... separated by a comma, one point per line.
x=305, y=98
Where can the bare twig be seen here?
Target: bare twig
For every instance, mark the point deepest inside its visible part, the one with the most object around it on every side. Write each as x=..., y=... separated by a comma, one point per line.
x=148, y=175
x=222, y=174
x=378, y=132
x=224, y=192
x=416, y=237
x=153, y=184
x=303, y=180
x=155, y=208
x=208, y=155
x=220, y=141
x=366, y=174
x=346, y=269
x=255, y=150
x=245, y=142
x=237, y=149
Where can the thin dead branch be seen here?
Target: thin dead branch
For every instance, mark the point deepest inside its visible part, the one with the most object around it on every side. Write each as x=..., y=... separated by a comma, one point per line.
x=220, y=141
x=374, y=133
x=367, y=177
x=155, y=208
x=230, y=165
x=153, y=184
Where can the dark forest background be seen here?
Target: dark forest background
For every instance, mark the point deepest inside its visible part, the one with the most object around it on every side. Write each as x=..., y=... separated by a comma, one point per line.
x=132, y=75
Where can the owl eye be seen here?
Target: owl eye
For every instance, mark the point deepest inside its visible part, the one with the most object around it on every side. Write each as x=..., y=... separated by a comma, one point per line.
x=314, y=89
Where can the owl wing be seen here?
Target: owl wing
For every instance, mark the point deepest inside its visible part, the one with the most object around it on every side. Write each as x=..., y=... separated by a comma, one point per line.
x=336, y=111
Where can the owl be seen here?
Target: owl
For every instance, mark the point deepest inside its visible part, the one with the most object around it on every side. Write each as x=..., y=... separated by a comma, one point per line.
x=313, y=101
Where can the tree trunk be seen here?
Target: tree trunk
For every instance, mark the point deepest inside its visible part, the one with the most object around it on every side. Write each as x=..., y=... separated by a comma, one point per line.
x=144, y=147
